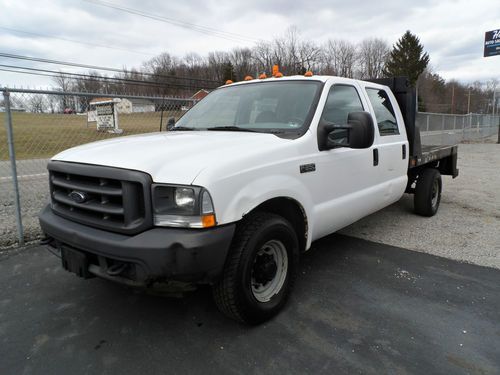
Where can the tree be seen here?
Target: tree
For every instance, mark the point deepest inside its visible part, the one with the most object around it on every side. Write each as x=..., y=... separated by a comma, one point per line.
x=372, y=56
x=407, y=58
x=228, y=71
x=37, y=103
x=340, y=58
x=64, y=84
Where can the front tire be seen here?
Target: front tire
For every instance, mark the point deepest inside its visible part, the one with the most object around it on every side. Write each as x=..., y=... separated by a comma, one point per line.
x=260, y=270
x=428, y=192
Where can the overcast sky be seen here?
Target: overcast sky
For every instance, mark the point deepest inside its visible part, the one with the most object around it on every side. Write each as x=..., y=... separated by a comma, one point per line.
x=452, y=32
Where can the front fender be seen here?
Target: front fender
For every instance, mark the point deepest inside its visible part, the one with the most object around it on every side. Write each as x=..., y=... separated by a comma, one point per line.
x=232, y=202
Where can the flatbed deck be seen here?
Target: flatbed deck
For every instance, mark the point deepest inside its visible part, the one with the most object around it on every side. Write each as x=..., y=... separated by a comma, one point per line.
x=431, y=153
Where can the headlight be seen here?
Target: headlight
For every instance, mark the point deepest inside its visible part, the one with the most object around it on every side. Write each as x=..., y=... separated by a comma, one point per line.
x=184, y=197
x=182, y=206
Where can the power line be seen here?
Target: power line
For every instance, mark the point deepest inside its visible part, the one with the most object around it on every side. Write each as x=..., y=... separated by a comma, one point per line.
x=55, y=75
x=187, y=25
x=95, y=67
x=75, y=41
x=99, y=78
x=90, y=78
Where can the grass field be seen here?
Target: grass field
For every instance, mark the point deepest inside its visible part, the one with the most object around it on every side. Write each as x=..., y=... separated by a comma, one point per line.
x=44, y=135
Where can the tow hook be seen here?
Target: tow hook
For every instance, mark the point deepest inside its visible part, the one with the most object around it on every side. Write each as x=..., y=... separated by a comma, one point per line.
x=116, y=269
x=46, y=240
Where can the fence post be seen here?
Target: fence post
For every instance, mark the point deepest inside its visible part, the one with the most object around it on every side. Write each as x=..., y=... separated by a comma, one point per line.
x=12, y=156
x=498, y=120
x=442, y=129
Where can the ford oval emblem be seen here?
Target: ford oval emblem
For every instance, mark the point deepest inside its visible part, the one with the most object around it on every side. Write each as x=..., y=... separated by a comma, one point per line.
x=78, y=196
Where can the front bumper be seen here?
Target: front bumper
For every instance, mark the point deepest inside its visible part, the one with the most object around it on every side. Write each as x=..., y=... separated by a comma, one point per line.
x=155, y=255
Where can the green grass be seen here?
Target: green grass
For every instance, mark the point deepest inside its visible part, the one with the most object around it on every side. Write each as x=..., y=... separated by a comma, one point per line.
x=44, y=135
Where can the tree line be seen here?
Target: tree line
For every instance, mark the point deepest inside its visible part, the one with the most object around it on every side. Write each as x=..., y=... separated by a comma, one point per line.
x=170, y=75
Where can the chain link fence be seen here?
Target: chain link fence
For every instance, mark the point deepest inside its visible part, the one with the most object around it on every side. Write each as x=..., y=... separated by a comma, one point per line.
x=43, y=123
x=445, y=129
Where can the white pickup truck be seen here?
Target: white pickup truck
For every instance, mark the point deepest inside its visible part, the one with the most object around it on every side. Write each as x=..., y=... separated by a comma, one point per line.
x=241, y=185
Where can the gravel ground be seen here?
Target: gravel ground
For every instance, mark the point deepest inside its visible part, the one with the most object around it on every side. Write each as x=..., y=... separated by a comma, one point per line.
x=467, y=226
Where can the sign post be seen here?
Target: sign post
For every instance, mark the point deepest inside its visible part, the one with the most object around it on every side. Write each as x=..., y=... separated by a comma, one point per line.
x=107, y=116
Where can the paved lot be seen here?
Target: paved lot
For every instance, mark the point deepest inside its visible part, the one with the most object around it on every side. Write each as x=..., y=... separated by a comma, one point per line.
x=359, y=307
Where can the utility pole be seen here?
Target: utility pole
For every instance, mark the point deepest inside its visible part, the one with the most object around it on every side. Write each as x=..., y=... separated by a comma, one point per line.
x=494, y=108
x=494, y=100
x=452, y=97
x=468, y=103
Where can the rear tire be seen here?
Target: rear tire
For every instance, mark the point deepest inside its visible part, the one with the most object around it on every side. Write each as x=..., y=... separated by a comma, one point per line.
x=260, y=270
x=427, y=192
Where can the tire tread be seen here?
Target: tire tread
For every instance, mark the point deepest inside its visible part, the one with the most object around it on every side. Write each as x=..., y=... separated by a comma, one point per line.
x=224, y=292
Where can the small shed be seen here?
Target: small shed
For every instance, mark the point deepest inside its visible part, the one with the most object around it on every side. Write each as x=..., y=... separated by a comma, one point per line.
x=135, y=106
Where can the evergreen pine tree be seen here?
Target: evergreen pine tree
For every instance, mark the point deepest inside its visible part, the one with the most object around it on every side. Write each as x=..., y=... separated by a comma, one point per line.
x=228, y=71
x=407, y=58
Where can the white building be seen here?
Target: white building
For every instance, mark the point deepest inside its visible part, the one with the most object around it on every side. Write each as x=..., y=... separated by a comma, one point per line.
x=123, y=106
x=135, y=106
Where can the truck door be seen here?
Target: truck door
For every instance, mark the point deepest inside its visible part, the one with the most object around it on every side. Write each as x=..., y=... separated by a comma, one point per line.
x=392, y=142
x=347, y=185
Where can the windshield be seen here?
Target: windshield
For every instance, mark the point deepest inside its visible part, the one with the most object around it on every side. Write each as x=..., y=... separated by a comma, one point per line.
x=273, y=107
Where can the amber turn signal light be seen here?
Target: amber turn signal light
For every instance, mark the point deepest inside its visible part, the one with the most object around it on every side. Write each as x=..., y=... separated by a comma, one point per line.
x=208, y=221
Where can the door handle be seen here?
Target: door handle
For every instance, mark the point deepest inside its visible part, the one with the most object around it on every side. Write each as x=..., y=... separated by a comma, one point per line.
x=375, y=156
x=404, y=152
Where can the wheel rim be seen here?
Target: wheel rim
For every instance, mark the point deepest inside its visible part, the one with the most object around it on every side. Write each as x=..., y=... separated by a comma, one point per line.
x=269, y=270
x=435, y=193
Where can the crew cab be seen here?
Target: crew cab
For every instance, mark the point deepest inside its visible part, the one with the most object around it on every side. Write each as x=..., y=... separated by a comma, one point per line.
x=242, y=184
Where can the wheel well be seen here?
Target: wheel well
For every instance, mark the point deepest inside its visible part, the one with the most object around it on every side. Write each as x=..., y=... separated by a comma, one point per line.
x=291, y=210
x=414, y=173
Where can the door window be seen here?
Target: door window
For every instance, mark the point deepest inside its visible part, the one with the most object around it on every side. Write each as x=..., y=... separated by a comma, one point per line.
x=384, y=112
x=342, y=100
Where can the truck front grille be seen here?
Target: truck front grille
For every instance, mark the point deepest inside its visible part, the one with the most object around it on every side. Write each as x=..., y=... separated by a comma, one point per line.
x=108, y=198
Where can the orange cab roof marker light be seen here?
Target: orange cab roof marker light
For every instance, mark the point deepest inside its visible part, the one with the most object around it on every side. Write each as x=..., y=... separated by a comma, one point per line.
x=228, y=82
x=248, y=78
x=262, y=76
x=308, y=74
x=278, y=75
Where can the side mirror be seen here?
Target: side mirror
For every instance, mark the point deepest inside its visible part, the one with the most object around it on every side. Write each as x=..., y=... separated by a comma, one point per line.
x=358, y=133
x=170, y=123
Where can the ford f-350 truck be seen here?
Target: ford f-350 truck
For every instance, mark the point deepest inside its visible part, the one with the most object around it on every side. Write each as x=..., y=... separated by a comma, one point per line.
x=241, y=185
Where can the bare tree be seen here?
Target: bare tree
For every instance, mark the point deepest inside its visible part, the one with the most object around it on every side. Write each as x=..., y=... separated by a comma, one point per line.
x=52, y=103
x=372, y=56
x=310, y=56
x=37, y=103
x=216, y=63
x=64, y=84
x=242, y=61
x=263, y=56
x=340, y=58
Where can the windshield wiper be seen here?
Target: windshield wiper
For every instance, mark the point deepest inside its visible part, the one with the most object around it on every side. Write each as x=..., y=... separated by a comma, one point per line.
x=181, y=128
x=233, y=128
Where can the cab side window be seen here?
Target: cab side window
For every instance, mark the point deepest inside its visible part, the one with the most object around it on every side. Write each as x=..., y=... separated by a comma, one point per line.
x=384, y=112
x=341, y=101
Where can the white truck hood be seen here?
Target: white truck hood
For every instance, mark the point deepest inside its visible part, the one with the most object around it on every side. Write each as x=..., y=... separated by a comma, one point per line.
x=174, y=157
